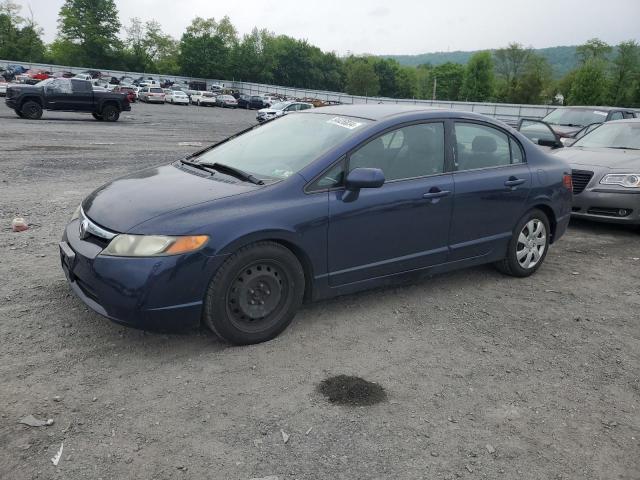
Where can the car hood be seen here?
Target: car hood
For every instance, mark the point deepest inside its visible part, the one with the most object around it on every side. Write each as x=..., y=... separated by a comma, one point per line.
x=600, y=157
x=128, y=201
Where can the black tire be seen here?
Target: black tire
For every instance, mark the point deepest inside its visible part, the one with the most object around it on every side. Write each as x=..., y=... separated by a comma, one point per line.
x=97, y=116
x=31, y=110
x=511, y=265
x=110, y=113
x=18, y=112
x=263, y=277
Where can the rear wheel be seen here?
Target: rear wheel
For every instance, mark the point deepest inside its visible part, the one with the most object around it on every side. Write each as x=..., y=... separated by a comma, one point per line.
x=528, y=246
x=255, y=294
x=31, y=110
x=97, y=116
x=110, y=113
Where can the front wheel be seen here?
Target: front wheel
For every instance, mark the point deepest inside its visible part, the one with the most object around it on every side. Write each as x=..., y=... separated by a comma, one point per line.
x=255, y=294
x=31, y=110
x=18, y=113
x=528, y=246
x=97, y=116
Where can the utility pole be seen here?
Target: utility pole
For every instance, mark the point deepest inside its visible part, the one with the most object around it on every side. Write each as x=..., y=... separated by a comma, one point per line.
x=435, y=87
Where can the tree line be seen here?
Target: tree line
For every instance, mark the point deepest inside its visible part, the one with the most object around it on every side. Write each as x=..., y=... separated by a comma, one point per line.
x=90, y=34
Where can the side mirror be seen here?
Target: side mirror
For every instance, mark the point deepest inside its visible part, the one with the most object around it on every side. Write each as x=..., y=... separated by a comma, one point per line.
x=364, y=178
x=545, y=142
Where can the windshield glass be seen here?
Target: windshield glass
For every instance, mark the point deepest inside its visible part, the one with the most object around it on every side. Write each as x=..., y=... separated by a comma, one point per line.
x=575, y=116
x=279, y=106
x=283, y=147
x=612, y=135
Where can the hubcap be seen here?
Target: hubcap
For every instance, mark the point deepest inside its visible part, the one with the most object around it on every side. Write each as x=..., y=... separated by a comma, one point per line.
x=532, y=242
x=256, y=294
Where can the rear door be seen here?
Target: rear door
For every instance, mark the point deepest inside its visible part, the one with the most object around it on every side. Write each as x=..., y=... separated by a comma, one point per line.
x=492, y=183
x=82, y=95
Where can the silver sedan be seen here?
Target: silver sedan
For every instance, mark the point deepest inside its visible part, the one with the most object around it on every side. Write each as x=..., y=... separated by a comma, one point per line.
x=606, y=173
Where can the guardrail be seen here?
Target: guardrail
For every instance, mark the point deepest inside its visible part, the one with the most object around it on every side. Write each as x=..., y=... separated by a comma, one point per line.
x=509, y=113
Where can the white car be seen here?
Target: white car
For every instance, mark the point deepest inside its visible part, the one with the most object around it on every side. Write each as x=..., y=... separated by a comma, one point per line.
x=151, y=95
x=177, y=97
x=84, y=76
x=270, y=100
x=3, y=89
x=280, y=109
x=204, y=98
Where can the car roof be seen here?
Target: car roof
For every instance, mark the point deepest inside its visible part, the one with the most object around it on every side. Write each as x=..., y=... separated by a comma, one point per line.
x=385, y=111
x=585, y=107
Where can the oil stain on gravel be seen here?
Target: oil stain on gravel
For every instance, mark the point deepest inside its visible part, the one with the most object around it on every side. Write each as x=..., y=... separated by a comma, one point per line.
x=350, y=390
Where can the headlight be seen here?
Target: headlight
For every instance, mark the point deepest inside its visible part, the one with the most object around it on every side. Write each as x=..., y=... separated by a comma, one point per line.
x=76, y=213
x=628, y=180
x=153, y=245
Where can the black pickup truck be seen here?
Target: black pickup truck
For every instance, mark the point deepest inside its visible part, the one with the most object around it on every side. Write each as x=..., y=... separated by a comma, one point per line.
x=65, y=94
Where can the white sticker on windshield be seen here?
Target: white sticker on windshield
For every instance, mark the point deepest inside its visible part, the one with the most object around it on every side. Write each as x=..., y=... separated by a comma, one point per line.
x=597, y=112
x=344, y=122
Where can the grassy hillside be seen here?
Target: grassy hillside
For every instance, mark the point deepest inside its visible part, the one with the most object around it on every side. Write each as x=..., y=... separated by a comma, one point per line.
x=562, y=59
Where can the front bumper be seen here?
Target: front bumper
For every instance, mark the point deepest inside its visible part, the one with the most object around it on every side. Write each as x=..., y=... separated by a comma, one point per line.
x=150, y=293
x=607, y=206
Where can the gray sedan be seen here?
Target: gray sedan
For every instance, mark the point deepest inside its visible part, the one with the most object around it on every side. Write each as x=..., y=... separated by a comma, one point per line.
x=606, y=173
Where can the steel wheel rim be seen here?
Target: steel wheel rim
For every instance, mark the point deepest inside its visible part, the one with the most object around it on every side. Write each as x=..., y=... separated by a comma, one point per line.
x=257, y=295
x=532, y=243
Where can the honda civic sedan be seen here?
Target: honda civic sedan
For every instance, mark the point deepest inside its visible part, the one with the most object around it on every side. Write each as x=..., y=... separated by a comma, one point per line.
x=309, y=206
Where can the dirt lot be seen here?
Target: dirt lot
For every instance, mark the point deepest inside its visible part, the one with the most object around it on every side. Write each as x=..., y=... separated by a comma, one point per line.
x=486, y=376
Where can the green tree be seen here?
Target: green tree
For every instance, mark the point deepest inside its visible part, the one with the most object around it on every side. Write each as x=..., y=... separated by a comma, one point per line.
x=20, y=38
x=361, y=78
x=93, y=25
x=406, y=79
x=449, y=78
x=424, y=83
x=479, y=80
x=625, y=70
x=510, y=65
x=534, y=85
x=590, y=84
x=205, y=48
x=594, y=49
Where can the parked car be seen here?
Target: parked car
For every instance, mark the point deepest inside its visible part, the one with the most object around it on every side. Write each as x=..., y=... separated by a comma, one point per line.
x=63, y=74
x=204, y=99
x=3, y=88
x=243, y=101
x=310, y=206
x=84, y=76
x=151, y=95
x=65, y=94
x=130, y=92
x=567, y=121
x=606, y=172
x=280, y=109
x=226, y=101
x=177, y=97
x=270, y=100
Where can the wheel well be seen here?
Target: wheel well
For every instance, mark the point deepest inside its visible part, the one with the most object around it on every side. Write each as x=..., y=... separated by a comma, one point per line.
x=109, y=103
x=548, y=211
x=31, y=99
x=304, y=261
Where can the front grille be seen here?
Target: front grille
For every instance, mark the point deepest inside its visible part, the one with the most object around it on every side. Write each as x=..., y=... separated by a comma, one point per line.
x=580, y=179
x=610, y=212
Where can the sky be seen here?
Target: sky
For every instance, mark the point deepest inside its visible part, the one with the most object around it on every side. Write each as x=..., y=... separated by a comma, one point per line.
x=381, y=27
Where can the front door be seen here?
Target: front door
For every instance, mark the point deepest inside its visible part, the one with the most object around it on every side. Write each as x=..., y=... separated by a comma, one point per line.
x=404, y=224
x=492, y=182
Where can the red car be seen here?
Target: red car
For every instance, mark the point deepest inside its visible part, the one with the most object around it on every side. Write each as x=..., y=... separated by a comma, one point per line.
x=129, y=91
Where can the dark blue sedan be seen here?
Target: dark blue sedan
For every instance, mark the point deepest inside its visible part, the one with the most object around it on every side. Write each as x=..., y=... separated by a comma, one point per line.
x=309, y=206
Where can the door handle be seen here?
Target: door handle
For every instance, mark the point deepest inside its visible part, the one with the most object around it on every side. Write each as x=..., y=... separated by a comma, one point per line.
x=514, y=182
x=435, y=193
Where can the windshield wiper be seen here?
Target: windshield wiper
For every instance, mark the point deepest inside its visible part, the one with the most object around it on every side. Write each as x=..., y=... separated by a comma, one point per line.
x=233, y=171
x=199, y=166
x=569, y=125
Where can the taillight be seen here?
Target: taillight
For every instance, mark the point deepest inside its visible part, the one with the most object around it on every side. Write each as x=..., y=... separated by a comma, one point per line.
x=567, y=182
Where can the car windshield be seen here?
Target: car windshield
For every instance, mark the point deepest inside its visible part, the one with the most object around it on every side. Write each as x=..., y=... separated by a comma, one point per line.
x=612, y=135
x=575, y=116
x=207, y=94
x=283, y=147
x=279, y=106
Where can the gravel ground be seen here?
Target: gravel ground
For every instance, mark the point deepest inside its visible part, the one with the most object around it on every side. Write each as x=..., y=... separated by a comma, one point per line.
x=486, y=376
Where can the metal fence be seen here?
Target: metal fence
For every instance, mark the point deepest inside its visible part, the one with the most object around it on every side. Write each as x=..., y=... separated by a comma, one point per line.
x=509, y=113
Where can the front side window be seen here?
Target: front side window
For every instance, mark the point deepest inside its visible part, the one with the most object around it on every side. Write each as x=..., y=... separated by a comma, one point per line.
x=59, y=86
x=407, y=152
x=481, y=146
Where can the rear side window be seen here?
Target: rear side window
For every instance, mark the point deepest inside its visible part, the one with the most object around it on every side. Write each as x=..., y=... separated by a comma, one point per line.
x=79, y=86
x=482, y=146
x=628, y=115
